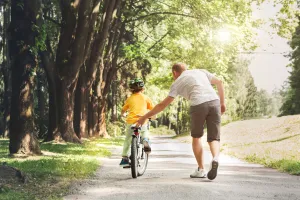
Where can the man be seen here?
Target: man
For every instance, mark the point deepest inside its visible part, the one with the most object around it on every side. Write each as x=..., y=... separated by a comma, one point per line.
x=206, y=106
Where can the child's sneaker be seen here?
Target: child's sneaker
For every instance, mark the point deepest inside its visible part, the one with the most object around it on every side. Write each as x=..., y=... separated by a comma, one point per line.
x=147, y=147
x=124, y=162
x=198, y=173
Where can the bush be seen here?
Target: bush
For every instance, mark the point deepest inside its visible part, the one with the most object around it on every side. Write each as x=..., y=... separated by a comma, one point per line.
x=115, y=129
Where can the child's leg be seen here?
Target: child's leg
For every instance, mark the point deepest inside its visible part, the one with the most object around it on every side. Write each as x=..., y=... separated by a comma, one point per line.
x=145, y=132
x=127, y=141
x=145, y=139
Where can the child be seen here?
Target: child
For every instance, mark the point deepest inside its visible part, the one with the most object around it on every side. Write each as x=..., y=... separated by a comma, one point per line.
x=137, y=104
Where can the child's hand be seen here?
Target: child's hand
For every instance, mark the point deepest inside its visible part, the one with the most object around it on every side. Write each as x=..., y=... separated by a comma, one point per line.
x=123, y=114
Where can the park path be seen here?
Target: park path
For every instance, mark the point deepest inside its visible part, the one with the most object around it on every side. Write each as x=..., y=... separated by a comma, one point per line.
x=167, y=178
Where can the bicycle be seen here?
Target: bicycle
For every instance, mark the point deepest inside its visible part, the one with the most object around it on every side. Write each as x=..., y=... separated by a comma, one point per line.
x=138, y=157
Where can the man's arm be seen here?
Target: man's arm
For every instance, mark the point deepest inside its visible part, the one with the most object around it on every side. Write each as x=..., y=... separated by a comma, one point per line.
x=157, y=109
x=220, y=87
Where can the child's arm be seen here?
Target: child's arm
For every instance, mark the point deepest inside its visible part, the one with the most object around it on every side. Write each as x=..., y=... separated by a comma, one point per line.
x=125, y=108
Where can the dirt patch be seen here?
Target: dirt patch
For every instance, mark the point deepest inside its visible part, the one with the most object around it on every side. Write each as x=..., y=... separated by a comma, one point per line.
x=10, y=175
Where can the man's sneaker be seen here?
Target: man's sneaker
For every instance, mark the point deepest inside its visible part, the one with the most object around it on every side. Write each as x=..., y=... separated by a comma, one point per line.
x=124, y=162
x=147, y=147
x=198, y=173
x=212, y=174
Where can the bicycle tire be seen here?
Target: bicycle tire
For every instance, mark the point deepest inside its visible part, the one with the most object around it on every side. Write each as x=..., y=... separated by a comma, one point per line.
x=134, y=161
x=142, y=169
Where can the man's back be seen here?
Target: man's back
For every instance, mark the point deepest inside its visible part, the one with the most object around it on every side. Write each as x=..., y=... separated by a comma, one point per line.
x=195, y=86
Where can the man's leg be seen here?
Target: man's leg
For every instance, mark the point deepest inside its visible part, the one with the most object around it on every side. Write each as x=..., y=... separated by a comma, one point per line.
x=215, y=149
x=198, y=152
x=198, y=115
x=213, y=122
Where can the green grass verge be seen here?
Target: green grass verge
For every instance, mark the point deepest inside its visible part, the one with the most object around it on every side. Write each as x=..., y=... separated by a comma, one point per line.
x=284, y=165
x=161, y=130
x=50, y=175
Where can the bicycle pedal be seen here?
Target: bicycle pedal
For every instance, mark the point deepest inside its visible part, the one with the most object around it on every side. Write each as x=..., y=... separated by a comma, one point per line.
x=126, y=167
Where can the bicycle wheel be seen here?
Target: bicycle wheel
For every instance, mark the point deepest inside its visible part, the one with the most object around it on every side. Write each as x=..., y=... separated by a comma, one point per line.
x=134, y=160
x=142, y=161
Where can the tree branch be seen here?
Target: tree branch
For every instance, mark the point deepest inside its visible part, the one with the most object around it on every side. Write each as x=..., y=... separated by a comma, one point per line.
x=158, y=41
x=149, y=49
x=162, y=13
x=52, y=20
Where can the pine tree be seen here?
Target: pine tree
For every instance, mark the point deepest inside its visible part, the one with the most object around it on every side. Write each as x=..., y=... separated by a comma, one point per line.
x=291, y=105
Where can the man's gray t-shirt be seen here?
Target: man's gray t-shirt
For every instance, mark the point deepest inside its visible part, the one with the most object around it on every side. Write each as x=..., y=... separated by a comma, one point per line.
x=194, y=85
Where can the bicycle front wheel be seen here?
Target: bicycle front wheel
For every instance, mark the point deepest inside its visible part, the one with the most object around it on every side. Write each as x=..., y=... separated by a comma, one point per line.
x=134, y=160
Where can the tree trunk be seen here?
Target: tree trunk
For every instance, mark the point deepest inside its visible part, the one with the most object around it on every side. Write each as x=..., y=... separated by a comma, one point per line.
x=76, y=120
x=22, y=137
x=6, y=72
x=92, y=112
x=66, y=113
x=7, y=98
x=102, y=118
x=70, y=57
x=41, y=104
x=114, y=101
x=48, y=64
x=92, y=71
x=81, y=106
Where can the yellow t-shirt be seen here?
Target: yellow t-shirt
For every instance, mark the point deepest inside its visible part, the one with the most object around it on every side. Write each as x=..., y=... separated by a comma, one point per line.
x=138, y=105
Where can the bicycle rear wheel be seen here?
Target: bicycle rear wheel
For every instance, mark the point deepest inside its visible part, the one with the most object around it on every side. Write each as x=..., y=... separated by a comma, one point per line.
x=134, y=160
x=142, y=161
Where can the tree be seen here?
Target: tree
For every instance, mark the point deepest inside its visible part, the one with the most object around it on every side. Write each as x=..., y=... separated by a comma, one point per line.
x=23, y=34
x=83, y=32
x=90, y=49
x=291, y=104
x=5, y=69
x=265, y=103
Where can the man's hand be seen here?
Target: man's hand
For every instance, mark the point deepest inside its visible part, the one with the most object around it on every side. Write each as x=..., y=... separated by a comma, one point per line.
x=141, y=121
x=158, y=108
x=223, y=108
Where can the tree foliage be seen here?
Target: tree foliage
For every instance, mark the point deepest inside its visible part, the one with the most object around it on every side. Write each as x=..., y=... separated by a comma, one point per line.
x=87, y=51
x=291, y=105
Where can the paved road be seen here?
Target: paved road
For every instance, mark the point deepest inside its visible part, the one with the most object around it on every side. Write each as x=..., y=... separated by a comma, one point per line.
x=167, y=178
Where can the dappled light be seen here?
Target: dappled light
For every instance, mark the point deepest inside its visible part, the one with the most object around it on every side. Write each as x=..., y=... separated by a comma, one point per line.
x=75, y=3
x=60, y=162
x=96, y=8
x=164, y=176
x=214, y=77
x=224, y=35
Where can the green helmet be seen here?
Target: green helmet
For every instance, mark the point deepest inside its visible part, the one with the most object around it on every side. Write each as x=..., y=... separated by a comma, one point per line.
x=136, y=84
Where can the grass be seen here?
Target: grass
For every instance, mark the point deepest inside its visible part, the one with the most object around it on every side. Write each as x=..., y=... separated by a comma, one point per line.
x=50, y=175
x=182, y=135
x=284, y=165
x=281, y=139
x=161, y=130
x=271, y=142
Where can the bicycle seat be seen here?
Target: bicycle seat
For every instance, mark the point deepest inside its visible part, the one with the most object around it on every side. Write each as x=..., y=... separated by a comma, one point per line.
x=134, y=127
